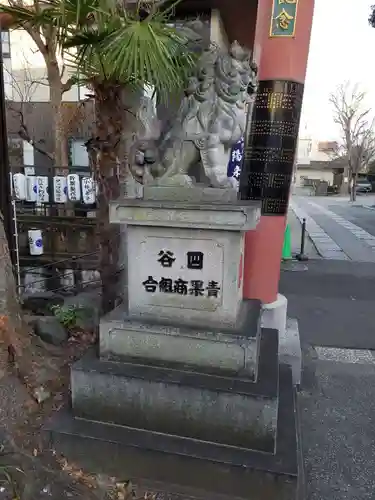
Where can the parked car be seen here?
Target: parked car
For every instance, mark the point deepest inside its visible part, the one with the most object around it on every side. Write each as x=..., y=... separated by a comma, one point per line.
x=363, y=185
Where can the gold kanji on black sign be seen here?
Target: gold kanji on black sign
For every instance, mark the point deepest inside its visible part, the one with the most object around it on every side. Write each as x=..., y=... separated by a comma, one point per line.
x=271, y=144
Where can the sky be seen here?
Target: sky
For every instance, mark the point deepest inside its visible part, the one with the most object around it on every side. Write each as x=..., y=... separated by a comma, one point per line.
x=341, y=49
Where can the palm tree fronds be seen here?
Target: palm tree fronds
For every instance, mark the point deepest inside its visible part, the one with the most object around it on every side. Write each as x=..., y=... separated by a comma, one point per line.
x=117, y=42
x=151, y=52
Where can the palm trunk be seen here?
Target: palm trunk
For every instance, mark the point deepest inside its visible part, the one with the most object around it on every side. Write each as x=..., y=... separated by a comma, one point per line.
x=105, y=157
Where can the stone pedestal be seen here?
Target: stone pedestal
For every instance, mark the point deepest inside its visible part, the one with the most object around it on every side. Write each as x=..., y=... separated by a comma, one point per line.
x=185, y=259
x=185, y=371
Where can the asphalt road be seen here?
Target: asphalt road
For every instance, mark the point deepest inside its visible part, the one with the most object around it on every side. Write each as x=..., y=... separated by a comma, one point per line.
x=362, y=217
x=333, y=301
x=338, y=431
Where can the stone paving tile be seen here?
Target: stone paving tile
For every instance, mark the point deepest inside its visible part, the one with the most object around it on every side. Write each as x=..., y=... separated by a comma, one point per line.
x=329, y=247
x=334, y=255
x=321, y=239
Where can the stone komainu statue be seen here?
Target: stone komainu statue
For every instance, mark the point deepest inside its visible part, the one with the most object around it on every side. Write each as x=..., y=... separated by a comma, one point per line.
x=210, y=120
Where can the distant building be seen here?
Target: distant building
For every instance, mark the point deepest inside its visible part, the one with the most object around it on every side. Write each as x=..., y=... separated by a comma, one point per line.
x=39, y=119
x=316, y=162
x=27, y=91
x=310, y=149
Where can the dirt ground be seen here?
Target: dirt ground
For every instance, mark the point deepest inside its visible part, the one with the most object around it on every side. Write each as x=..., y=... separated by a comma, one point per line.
x=28, y=469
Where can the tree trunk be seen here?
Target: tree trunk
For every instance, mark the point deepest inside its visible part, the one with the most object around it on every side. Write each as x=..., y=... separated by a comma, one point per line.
x=105, y=158
x=60, y=139
x=15, y=335
x=354, y=190
x=116, y=127
x=56, y=93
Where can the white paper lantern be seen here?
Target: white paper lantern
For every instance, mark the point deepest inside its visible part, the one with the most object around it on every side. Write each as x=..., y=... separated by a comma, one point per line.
x=74, y=188
x=60, y=189
x=42, y=195
x=31, y=188
x=19, y=186
x=88, y=190
x=35, y=241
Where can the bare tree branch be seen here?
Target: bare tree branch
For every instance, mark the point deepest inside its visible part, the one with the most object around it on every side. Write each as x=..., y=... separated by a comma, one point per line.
x=45, y=38
x=25, y=93
x=24, y=134
x=67, y=85
x=357, y=144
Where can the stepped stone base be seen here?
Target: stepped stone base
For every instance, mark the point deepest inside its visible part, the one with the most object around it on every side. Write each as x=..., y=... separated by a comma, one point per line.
x=170, y=399
x=187, y=390
x=124, y=337
x=184, y=467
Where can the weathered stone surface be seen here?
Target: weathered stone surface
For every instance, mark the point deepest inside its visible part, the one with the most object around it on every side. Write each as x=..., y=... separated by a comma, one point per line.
x=221, y=266
x=290, y=351
x=193, y=145
x=178, y=402
x=49, y=329
x=212, y=468
x=196, y=194
x=243, y=216
x=234, y=350
x=41, y=302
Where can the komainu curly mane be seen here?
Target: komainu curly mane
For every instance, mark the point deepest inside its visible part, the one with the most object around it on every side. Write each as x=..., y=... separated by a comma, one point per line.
x=210, y=120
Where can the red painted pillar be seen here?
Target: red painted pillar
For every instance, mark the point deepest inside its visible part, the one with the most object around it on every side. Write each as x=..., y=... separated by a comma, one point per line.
x=282, y=40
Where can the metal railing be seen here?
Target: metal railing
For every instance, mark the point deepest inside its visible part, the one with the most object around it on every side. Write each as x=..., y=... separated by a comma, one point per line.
x=69, y=234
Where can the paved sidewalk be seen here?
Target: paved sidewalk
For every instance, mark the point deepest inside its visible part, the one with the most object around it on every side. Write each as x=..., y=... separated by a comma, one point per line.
x=324, y=244
x=334, y=236
x=296, y=233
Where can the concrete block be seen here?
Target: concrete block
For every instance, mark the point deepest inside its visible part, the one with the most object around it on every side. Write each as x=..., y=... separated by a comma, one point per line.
x=201, y=351
x=290, y=351
x=274, y=315
x=185, y=468
x=196, y=194
x=243, y=216
x=123, y=337
x=199, y=406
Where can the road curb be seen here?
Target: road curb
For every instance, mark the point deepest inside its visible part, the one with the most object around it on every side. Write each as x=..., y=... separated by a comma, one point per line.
x=300, y=216
x=325, y=246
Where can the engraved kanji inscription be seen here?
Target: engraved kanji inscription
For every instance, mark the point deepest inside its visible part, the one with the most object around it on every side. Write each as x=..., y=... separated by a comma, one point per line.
x=196, y=288
x=150, y=284
x=181, y=286
x=166, y=258
x=213, y=289
x=195, y=260
x=166, y=285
